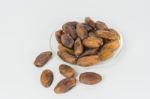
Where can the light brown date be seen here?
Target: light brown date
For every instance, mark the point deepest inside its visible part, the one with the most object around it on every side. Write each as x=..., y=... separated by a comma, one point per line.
x=105, y=54
x=65, y=85
x=67, y=57
x=112, y=45
x=65, y=49
x=88, y=60
x=81, y=31
x=92, y=42
x=107, y=34
x=46, y=78
x=78, y=47
x=90, y=78
x=66, y=70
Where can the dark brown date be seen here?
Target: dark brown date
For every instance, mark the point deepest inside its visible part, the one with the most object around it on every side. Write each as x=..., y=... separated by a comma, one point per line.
x=42, y=58
x=67, y=40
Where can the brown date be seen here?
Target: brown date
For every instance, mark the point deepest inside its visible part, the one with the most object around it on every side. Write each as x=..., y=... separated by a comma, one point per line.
x=90, y=22
x=66, y=70
x=92, y=42
x=46, y=78
x=88, y=60
x=42, y=58
x=65, y=85
x=100, y=25
x=90, y=78
x=70, y=28
x=67, y=57
x=81, y=31
x=78, y=47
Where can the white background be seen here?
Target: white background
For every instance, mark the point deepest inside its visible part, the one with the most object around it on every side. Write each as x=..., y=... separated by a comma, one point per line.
x=25, y=28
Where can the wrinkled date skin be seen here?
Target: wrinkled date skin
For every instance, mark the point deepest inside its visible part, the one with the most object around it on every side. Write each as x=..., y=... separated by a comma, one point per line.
x=113, y=31
x=107, y=34
x=65, y=49
x=81, y=31
x=46, y=78
x=66, y=71
x=105, y=54
x=112, y=45
x=88, y=60
x=89, y=52
x=92, y=42
x=78, y=47
x=87, y=27
x=100, y=25
x=67, y=40
x=90, y=78
x=70, y=28
x=43, y=58
x=58, y=35
x=65, y=85
x=67, y=57
x=90, y=22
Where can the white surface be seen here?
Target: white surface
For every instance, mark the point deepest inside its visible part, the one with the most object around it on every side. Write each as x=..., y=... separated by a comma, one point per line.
x=25, y=27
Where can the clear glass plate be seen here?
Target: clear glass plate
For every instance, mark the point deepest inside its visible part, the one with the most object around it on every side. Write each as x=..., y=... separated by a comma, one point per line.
x=54, y=48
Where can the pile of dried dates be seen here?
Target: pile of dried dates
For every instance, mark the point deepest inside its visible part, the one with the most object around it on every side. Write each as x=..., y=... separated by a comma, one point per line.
x=66, y=84
x=86, y=43
x=67, y=71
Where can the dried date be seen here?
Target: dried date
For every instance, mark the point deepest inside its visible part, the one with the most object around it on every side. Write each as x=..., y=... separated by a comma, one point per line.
x=65, y=85
x=90, y=78
x=42, y=58
x=66, y=70
x=46, y=78
x=67, y=40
